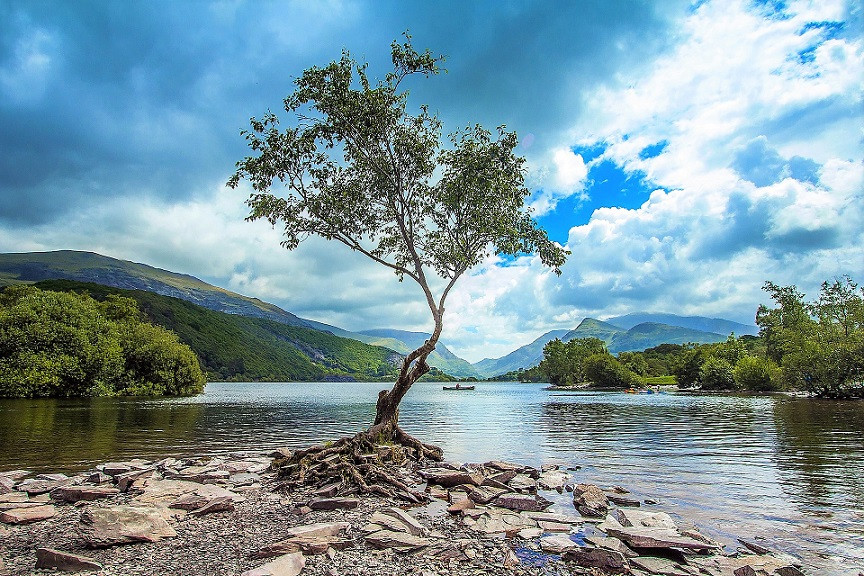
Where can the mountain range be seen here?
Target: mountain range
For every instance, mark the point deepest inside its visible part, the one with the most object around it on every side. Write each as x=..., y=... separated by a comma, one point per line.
x=623, y=333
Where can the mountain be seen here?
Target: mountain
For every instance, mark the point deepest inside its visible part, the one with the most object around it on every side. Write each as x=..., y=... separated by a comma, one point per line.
x=701, y=323
x=523, y=357
x=91, y=267
x=242, y=348
x=618, y=339
x=405, y=342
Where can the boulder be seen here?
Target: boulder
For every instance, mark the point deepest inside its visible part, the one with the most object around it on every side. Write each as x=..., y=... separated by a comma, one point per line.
x=48, y=558
x=76, y=493
x=28, y=515
x=557, y=544
x=333, y=503
x=398, y=541
x=286, y=565
x=590, y=500
x=596, y=558
x=102, y=527
x=524, y=502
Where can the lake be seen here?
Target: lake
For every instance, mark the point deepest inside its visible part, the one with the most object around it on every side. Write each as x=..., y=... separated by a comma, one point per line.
x=788, y=470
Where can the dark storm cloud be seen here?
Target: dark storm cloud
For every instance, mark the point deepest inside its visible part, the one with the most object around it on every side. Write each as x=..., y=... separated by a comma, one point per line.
x=145, y=99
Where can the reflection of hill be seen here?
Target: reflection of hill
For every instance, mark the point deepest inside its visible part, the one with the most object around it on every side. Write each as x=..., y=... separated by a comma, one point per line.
x=820, y=445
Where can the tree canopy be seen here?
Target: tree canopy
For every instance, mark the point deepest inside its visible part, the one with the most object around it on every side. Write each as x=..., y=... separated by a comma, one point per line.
x=354, y=165
x=67, y=344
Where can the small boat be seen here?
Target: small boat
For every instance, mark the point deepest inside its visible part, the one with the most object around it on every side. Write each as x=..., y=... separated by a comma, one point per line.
x=458, y=387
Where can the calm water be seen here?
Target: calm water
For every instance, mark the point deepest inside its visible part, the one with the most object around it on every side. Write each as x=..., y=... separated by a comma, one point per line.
x=787, y=470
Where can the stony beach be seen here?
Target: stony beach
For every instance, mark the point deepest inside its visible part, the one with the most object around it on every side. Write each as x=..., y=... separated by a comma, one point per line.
x=230, y=515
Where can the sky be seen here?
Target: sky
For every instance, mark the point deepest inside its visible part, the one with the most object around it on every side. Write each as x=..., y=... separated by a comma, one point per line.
x=685, y=152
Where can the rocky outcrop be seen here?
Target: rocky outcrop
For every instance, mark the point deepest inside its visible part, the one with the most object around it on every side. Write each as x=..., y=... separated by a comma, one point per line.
x=590, y=500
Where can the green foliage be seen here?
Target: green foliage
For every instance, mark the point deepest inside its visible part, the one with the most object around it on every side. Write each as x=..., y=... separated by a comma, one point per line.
x=716, y=374
x=65, y=344
x=757, y=374
x=240, y=348
x=563, y=362
x=687, y=366
x=606, y=372
x=635, y=362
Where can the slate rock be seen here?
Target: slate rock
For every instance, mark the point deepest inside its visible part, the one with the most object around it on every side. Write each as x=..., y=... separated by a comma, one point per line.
x=410, y=524
x=590, y=500
x=657, y=538
x=557, y=544
x=333, y=503
x=218, y=504
x=89, y=493
x=398, y=541
x=286, y=565
x=522, y=502
x=644, y=519
x=47, y=558
x=28, y=515
x=450, y=478
x=484, y=495
x=596, y=558
x=102, y=527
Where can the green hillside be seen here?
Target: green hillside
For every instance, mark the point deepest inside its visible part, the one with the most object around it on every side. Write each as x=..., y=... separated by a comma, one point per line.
x=240, y=348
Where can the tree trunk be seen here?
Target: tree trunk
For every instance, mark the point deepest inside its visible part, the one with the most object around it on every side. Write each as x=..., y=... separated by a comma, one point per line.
x=413, y=367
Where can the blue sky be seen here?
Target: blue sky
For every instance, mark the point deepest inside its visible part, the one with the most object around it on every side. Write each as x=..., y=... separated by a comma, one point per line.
x=685, y=152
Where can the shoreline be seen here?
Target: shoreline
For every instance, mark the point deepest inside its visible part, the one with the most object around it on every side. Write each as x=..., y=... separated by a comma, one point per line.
x=221, y=515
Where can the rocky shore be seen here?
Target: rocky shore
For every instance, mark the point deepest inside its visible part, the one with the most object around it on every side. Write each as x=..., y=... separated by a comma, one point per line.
x=228, y=515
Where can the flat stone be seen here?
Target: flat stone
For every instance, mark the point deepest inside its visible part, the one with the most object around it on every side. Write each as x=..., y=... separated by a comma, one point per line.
x=553, y=517
x=99, y=478
x=16, y=474
x=101, y=527
x=333, y=503
x=590, y=500
x=14, y=497
x=411, y=525
x=460, y=505
x=754, y=547
x=28, y=515
x=48, y=558
x=449, y=478
x=611, y=543
x=191, y=501
x=438, y=492
x=623, y=500
x=36, y=487
x=128, y=479
x=657, y=538
x=502, y=520
x=504, y=466
x=24, y=504
x=399, y=541
x=556, y=544
x=760, y=563
x=596, y=558
x=484, y=495
x=502, y=477
x=644, y=519
x=286, y=565
x=553, y=480
x=522, y=502
x=320, y=529
x=115, y=468
x=522, y=482
x=530, y=533
x=76, y=493
x=218, y=504
x=554, y=526
x=328, y=491
x=662, y=566
x=7, y=485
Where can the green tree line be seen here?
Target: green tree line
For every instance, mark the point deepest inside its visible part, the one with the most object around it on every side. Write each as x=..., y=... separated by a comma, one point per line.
x=814, y=346
x=64, y=344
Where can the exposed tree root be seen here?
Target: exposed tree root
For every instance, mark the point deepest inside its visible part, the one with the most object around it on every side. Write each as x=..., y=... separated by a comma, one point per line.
x=369, y=462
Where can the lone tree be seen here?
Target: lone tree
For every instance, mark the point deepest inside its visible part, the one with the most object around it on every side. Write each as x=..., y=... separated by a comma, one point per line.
x=356, y=167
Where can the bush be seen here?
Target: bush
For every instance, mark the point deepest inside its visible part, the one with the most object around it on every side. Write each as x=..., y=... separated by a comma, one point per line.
x=757, y=374
x=716, y=374
x=605, y=371
x=65, y=344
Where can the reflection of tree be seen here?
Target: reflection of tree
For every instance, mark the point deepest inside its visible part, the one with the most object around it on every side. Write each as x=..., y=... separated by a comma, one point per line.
x=820, y=445
x=53, y=434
